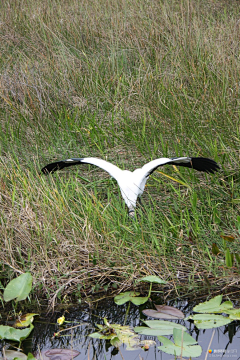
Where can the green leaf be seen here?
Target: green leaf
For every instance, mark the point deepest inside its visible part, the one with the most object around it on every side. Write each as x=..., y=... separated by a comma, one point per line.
x=213, y=306
x=10, y=333
x=184, y=345
x=237, y=257
x=106, y=322
x=209, y=321
x=165, y=341
x=228, y=258
x=117, y=334
x=18, y=288
x=234, y=314
x=116, y=342
x=30, y=357
x=139, y=300
x=24, y=320
x=130, y=296
x=96, y=335
x=125, y=297
x=157, y=328
x=153, y=279
x=179, y=336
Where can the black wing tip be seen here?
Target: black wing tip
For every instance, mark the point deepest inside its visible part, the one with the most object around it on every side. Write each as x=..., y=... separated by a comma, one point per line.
x=51, y=168
x=204, y=164
x=199, y=163
x=59, y=165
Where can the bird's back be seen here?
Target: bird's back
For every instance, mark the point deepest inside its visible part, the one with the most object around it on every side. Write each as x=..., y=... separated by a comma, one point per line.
x=129, y=186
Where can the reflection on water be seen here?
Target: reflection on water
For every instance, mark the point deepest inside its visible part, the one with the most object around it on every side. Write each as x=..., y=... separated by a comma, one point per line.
x=225, y=343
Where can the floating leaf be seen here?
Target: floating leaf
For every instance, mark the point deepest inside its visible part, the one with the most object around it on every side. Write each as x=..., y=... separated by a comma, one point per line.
x=164, y=312
x=213, y=306
x=209, y=321
x=130, y=296
x=130, y=339
x=122, y=328
x=116, y=342
x=18, y=288
x=61, y=354
x=126, y=336
x=117, y=334
x=24, y=321
x=234, y=314
x=96, y=335
x=153, y=279
x=184, y=345
x=157, y=328
x=10, y=333
x=13, y=354
x=125, y=297
x=139, y=300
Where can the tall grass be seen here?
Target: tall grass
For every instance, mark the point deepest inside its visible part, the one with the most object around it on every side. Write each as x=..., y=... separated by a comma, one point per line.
x=127, y=81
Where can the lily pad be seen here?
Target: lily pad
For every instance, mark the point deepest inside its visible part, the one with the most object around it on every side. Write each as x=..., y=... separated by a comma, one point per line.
x=10, y=333
x=61, y=354
x=13, y=354
x=116, y=342
x=234, y=314
x=17, y=355
x=209, y=321
x=164, y=312
x=213, y=306
x=96, y=335
x=18, y=288
x=183, y=345
x=130, y=296
x=158, y=328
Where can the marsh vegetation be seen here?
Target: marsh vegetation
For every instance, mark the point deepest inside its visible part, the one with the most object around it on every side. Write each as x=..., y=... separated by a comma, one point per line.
x=126, y=81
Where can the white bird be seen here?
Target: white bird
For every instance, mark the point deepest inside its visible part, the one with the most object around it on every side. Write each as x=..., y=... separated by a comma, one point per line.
x=132, y=183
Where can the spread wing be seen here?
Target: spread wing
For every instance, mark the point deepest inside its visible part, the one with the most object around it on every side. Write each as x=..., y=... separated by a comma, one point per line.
x=197, y=163
x=113, y=170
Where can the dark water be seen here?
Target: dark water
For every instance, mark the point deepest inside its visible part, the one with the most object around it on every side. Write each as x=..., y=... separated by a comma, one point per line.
x=225, y=344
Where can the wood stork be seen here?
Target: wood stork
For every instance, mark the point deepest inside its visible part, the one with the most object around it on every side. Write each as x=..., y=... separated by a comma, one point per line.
x=132, y=183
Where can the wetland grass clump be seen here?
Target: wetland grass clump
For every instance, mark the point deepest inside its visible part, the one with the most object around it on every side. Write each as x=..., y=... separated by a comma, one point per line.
x=127, y=82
